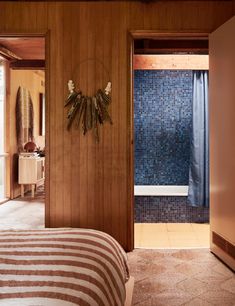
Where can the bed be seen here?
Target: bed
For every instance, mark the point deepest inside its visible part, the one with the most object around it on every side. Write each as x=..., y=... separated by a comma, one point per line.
x=63, y=267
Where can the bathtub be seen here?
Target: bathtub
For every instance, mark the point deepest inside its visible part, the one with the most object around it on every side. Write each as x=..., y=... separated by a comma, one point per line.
x=163, y=190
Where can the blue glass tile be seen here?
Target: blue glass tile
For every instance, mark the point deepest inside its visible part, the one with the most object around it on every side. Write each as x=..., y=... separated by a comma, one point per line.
x=162, y=119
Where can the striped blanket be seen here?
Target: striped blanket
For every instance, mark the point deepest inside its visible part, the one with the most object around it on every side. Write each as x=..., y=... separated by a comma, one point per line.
x=61, y=267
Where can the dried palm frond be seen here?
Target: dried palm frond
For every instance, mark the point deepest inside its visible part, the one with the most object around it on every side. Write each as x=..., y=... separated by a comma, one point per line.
x=89, y=110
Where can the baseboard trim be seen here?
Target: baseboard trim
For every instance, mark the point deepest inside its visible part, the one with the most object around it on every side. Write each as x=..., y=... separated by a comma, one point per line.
x=223, y=249
x=223, y=244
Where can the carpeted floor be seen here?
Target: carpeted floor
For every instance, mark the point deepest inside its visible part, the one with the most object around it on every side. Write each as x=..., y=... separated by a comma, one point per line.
x=24, y=213
x=180, y=277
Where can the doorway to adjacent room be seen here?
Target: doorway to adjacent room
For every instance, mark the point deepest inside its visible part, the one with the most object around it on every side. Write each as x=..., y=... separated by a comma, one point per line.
x=23, y=100
x=165, y=73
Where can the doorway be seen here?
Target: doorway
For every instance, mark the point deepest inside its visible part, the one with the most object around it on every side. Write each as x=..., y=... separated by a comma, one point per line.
x=3, y=154
x=23, y=58
x=163, y=216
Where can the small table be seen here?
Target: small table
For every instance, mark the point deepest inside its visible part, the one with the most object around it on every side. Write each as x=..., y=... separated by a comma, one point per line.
x=31, y=172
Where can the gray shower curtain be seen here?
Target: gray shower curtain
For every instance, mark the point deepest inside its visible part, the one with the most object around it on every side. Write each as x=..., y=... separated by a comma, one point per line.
x=199, y=147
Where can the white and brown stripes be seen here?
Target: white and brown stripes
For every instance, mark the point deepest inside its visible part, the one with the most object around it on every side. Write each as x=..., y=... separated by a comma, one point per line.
x=105, y=238
x=82, y=267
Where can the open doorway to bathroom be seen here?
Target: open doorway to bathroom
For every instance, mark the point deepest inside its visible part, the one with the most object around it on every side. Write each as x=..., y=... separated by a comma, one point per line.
x=22, y=159
x=171, y=192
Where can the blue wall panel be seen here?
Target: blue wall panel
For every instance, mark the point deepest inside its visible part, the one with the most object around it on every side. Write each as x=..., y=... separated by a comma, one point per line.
x=163, y=116
x=168, y=209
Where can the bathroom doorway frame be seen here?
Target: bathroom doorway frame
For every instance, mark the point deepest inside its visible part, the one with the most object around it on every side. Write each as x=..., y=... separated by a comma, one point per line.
x=46, y=36
x=132, y=36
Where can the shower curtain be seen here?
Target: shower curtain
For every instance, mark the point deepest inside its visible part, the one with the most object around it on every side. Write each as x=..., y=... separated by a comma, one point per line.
x=199, y=147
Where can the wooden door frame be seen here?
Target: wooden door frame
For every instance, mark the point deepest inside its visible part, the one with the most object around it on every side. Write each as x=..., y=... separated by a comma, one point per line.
x=46, y=35
x=131, y=36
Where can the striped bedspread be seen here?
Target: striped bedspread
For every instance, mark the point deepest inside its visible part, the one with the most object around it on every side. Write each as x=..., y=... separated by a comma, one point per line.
x=61, y=267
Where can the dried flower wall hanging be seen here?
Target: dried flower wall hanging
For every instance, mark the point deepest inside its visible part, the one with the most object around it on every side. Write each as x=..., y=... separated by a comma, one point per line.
x=89, y=111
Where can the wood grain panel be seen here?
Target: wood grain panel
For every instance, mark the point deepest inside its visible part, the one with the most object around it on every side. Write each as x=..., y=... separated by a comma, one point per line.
x=222, y=142
x=169, y=61
x=115, y=190
x=68, y=150
x=73, y=181
x=83, y=81
x=90, y=184
x=56, y=111
x=99, y=153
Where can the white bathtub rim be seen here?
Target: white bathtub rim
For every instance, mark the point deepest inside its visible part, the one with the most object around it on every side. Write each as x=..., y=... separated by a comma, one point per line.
x=161, y=190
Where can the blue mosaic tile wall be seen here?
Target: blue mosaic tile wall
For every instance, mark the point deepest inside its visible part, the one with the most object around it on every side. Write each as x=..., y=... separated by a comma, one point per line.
x=168, y=209
x=163, y=116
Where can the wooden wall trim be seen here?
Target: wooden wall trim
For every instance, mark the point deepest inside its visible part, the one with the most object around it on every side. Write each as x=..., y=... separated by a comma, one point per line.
x=130, y=143
x=223, y=244
x=179, y=34
x=171, y=61
x=47, y=36
x=218, y=252
x=28, y=65
x=7, y=130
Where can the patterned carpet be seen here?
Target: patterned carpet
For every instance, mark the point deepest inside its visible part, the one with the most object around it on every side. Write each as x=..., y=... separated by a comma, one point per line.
x=180, y=277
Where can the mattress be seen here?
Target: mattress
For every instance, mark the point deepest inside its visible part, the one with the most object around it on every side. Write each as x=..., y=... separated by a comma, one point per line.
x=58, y=267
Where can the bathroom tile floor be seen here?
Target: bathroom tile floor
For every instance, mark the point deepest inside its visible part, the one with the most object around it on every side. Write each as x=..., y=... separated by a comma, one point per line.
x=172, y=235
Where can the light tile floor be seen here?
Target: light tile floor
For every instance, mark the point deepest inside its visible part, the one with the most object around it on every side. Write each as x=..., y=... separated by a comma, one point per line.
x=172, y=235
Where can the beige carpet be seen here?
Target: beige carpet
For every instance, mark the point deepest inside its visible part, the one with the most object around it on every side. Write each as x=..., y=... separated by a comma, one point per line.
x=180, y=277
x=24, y=213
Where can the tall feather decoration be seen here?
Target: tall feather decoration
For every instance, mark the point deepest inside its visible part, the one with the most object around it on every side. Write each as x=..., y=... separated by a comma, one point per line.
x=24, y=107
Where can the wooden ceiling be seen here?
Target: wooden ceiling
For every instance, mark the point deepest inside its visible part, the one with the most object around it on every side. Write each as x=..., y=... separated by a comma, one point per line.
x=23, y=52
x=27, y=48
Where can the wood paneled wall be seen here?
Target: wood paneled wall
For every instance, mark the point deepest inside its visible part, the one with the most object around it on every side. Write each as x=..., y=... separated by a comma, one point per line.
x=222, y=142
x=89, y=184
